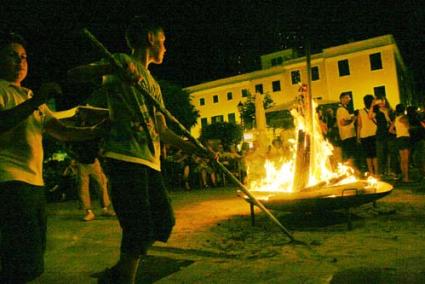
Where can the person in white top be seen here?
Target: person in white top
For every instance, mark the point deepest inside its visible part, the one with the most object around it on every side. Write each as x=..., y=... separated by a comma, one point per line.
x=366, y=134
x=400, y=127
x=24, y=118
x=347, y=131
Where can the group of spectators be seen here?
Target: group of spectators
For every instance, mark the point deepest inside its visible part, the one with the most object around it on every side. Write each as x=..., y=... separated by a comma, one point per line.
x=187, y=171
x=376, y=140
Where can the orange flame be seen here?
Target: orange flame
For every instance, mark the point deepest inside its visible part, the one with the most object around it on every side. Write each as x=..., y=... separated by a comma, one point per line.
x=275, y=172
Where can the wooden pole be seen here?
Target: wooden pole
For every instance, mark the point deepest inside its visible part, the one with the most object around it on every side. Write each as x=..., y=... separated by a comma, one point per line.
x=126, y=75
x=310, y=112
x=305, y=145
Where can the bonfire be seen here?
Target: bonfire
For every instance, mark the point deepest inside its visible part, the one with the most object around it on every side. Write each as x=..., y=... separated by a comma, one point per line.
x=305, y=179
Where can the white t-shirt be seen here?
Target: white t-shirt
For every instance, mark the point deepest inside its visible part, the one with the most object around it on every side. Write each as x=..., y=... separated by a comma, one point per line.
x=368, y=126
x=345, y=131
x=401, y=129
x=126, y=142
x=21, y=148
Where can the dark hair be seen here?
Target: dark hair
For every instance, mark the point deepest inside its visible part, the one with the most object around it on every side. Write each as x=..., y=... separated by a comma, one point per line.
x=8, y=37
x=368, y=99
x=138, y=29
x=343, y=94
x=400, y=108
x=381, y=96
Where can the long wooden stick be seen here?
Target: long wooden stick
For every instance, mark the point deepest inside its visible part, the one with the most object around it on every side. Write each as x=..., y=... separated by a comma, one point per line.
x=126, y=74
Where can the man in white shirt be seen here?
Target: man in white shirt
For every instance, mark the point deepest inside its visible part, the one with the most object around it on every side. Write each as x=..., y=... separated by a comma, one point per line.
x=347, y=130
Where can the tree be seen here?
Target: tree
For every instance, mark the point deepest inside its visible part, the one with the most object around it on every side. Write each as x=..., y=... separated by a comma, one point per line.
x=178, y=102
x=229, y=133
x=248, y=109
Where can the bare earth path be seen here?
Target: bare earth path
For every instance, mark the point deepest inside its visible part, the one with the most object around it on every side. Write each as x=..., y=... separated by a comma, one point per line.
x=214, y=242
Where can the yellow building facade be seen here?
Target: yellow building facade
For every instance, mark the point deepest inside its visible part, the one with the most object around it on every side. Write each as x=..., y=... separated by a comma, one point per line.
x=372, y=66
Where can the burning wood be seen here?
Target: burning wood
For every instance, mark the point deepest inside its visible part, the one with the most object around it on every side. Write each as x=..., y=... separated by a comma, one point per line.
x=330, y=182
x=302, y=163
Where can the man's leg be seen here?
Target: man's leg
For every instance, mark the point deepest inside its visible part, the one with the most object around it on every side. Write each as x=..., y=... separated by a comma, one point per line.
x=130, y=198
x=84, y=191
x=102, y=183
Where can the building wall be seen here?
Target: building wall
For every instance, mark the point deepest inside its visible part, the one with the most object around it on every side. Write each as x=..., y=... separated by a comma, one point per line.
x=362, y=79
x=329, y=86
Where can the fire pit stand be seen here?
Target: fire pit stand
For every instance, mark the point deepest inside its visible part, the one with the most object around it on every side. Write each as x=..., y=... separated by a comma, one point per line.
x=345, y=197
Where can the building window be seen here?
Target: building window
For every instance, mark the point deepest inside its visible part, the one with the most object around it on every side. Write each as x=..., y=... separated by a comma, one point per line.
x=229, y=96
x=295, y=77
x=315, y=73
x=375, y=61
x=217, y=118
x=276, y=86
x=244, y=93
x=259, y=88
x=215, y=99
x=379, y=91
x=231, y=117
x=277, y=61
x=201, y=101
x=343, y=67
x=204, y=122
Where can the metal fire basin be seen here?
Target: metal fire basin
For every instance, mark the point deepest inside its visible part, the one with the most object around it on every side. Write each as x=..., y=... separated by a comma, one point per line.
x=335, y=197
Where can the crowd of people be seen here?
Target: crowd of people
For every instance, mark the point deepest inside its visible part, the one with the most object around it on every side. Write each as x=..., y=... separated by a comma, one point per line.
x=131, y=152
x=189, y=171
x=376, y=140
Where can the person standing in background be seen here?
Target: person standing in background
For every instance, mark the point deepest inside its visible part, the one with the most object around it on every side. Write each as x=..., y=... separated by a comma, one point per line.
x=347, y=131
x=366, y=134
x=383, y=112
x=400, y=127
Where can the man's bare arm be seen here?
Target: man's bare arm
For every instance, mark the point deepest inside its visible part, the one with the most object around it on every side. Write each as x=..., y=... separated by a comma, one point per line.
x=12, y=117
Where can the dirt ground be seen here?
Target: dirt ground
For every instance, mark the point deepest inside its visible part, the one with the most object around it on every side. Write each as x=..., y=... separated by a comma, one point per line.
x=214, y=242
x=385, y=245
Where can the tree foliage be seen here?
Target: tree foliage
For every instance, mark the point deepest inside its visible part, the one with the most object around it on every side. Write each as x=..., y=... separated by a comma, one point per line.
x=228, y=132
x=178, y=102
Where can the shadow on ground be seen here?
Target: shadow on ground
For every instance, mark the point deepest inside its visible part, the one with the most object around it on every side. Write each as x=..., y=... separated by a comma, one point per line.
x=153, y=268
x=316, y=220
x=376, y=275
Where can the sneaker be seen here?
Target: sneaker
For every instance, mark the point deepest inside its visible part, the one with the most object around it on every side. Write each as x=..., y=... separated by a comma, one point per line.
x=106, y=212
x=89, y=216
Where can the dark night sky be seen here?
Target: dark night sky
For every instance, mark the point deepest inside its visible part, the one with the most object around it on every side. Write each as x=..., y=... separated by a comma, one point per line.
x=210, y=41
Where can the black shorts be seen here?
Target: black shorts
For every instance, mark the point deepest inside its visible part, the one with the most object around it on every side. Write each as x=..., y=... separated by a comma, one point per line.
x=369, y=146
x=142, y=205
x=403, y=143
x=349, y=148
x=23, y=231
